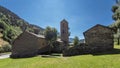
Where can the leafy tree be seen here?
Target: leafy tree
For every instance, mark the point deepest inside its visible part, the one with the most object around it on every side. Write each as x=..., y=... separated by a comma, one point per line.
x=76, y=40
x=114, y=8
x=116, y=15
x=50, y=36
x=116, y=24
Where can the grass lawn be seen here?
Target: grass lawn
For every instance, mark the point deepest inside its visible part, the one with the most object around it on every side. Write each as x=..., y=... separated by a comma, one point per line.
x=105, y=60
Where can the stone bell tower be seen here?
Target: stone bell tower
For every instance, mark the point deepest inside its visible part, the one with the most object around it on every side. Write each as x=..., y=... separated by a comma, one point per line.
x=64, y=32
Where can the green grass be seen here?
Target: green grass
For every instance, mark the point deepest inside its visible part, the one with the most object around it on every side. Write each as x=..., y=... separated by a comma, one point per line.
x=105, y=60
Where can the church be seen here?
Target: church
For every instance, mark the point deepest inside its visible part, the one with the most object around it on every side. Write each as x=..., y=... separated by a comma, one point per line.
x=29, y=44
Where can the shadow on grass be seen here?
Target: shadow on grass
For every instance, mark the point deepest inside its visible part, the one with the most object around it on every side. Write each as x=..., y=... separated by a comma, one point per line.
x=51, y=56
x=112, y=52
x=26, y=57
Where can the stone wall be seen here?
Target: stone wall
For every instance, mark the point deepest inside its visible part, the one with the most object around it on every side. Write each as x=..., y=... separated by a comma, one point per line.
x=77, y=50
x=43, y=46
x=100, y=37
x=25, y=46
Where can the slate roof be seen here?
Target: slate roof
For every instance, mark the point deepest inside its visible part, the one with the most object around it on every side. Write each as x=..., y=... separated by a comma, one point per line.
x=97, y=26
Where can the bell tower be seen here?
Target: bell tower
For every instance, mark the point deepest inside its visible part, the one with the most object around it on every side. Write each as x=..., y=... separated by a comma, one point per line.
x=64, y=31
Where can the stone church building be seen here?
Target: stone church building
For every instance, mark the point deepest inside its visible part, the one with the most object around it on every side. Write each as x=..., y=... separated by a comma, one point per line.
x=29, y=44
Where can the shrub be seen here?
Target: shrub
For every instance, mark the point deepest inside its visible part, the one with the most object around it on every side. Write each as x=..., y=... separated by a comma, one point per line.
x=1, y=50
x=7, y=48
x=57, y=47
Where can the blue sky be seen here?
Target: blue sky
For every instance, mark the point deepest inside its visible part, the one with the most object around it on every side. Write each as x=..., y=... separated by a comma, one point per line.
x=81, y=14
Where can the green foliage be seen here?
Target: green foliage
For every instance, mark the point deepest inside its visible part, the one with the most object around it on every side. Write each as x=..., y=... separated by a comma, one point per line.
x=12, y=25
x=3, y=25
x=114, y=8
x=116, y=25
x=1, y=50
x=82, y=61
x=29, y=29
x=50, y=34
x=19, y=23
x=116, y=14
x=5, y=48
x=76, y=40
x=10, y=32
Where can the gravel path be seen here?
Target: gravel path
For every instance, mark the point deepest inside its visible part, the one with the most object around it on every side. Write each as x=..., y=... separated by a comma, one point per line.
x=3, y=56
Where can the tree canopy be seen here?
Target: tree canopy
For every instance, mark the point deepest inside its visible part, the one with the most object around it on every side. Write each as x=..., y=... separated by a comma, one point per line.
x=50, y=34
x=76, y=40
x=116, y=17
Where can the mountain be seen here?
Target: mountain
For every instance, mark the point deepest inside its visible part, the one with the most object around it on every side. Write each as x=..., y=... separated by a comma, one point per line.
x=11, y=25
x=15, y=20
x=82, y=40
x=72, y=39
x=37, y=29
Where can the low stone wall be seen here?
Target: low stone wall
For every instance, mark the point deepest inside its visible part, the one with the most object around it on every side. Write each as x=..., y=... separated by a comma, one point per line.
x=84, y=49
x=77, y=50
x=45, y=50
x=57, y=47
x=25, y=55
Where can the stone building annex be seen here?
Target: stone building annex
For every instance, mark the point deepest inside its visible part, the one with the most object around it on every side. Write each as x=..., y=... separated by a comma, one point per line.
x=97, y=39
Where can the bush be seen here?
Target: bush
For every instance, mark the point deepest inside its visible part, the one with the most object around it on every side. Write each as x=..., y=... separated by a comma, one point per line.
x=57, y=47
x=1, y=50
x=7, y=48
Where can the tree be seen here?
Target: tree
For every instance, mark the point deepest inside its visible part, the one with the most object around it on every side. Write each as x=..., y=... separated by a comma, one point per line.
x=114, y=8
x=50, y=36
x=116, y=18
x=76, y=40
